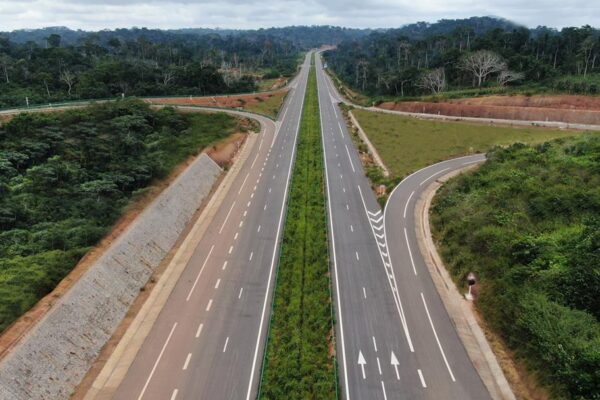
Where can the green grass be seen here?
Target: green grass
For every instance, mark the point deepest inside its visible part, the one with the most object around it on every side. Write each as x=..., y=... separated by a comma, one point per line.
x=269, y=107
x=298, y=364
x=407, y=144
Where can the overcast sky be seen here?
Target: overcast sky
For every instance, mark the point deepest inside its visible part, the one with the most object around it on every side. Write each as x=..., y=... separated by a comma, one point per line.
x=101, y=14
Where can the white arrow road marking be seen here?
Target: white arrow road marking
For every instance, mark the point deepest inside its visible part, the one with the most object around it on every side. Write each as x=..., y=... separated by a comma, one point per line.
x=362, y=362
x=395, y=363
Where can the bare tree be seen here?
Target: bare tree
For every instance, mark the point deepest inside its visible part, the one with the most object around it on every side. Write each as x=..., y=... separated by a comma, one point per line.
x=587, y=49
x=68, y=78
x=5, y=62
x=167, y=76
x=434, y=80
x=482, y=63
x=507, y=76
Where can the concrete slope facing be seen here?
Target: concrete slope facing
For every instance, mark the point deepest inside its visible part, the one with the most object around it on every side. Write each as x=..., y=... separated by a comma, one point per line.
x=208, y=338
x=394, y=338
x=53, y=357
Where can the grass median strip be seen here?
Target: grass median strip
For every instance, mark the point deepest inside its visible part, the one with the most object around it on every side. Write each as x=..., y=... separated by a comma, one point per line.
x=299, y=360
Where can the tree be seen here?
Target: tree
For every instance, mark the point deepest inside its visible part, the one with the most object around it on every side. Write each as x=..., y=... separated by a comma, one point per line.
x=5, y=61
x=506, y=76
x=53, y=40
x=68, y=78
x=482, y=63
x=435, y=81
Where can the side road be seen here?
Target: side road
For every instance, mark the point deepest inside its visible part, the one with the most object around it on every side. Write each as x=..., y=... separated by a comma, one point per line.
x=460, y=311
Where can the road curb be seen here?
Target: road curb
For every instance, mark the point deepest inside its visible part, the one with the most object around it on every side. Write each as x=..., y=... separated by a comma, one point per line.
x=460, y=311
x=372, y=149
x=118, y=363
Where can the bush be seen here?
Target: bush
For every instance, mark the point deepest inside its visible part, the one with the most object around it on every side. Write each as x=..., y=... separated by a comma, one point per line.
x=527, y=223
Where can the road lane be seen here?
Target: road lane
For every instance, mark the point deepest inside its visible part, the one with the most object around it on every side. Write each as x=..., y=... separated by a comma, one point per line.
x=217, y=313
x=395, y=339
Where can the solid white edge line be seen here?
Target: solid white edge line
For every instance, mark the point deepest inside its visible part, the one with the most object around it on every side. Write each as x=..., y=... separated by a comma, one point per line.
x=157, y=361
x=410, y=252
x=199, y=273
x=335, y=269
x=437, y=339
x=227, y=217
x=408, y=201
x=264, y=310
x=243, y=183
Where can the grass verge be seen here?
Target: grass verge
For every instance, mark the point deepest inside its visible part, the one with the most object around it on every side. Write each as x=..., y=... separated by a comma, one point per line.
x=299, y=361
x=407, y=144
x=269, y=106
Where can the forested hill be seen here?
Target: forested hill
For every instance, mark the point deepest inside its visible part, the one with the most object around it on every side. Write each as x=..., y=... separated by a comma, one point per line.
x=477, y=25
x=303, y=36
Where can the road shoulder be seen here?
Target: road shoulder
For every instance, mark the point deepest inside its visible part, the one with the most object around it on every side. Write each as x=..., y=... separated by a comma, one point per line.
x=460, y=311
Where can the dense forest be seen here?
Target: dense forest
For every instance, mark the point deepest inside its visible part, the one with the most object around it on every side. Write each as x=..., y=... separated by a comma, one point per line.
x=527, y=223
x=110, y=64
x=473, y=53
x=54, y=64
x=66, y=177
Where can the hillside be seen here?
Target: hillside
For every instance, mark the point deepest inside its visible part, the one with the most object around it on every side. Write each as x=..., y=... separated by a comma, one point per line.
x=527, y=224
x=65, y=178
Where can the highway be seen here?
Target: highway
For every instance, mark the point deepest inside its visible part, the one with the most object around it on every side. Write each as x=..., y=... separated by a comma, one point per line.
x=394, y=337
x=208, y=340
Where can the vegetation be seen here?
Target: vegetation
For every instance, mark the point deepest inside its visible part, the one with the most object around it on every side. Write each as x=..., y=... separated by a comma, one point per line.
x=65, y=178
x=298, y=362
x=137, y=63
x=407, y=144
x=477, y=52
x=527, y=224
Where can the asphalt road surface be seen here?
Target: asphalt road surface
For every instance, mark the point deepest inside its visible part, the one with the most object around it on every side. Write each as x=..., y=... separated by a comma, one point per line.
x=208, y=340
x=394, y=337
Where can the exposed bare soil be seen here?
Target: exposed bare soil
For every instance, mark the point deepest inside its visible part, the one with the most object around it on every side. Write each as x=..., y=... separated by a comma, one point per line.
x=238, y=101
x=570, y=109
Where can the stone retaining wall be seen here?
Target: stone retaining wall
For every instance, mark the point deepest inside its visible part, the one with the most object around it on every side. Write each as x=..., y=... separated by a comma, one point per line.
x=55, y=355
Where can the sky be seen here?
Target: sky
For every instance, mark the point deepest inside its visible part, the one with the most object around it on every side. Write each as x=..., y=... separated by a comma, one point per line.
x=251, y=14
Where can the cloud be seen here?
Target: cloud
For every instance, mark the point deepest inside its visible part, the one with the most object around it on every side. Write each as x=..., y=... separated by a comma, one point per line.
x=244, y=14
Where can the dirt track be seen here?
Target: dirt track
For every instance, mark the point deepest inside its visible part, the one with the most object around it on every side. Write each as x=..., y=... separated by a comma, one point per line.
x=570, y=109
